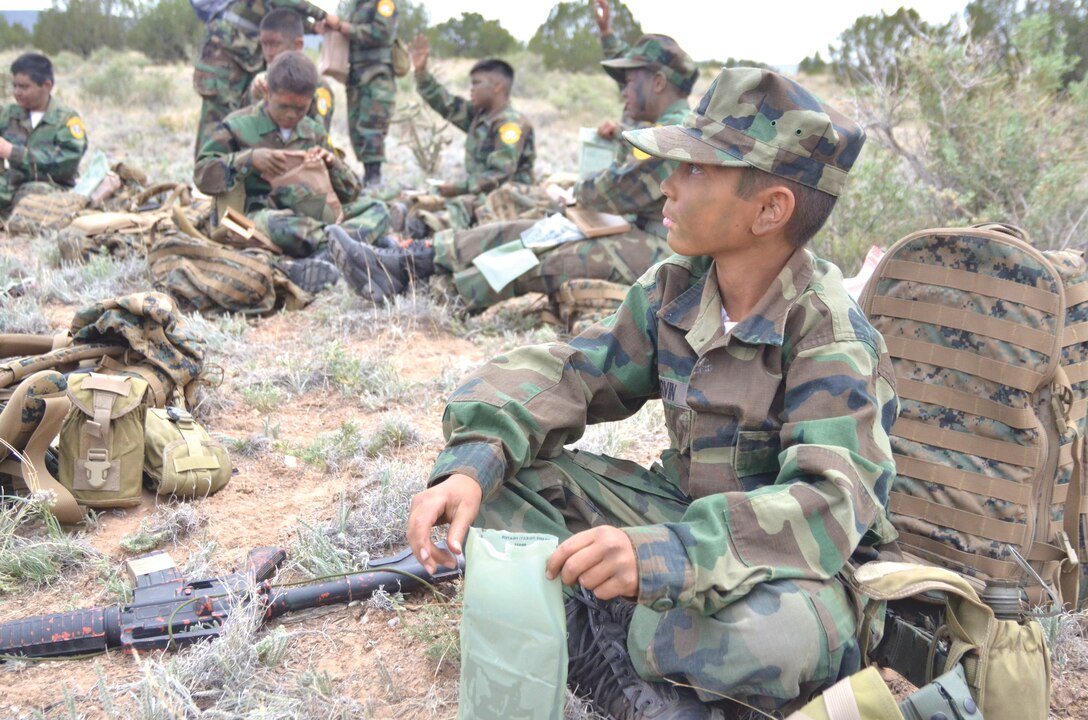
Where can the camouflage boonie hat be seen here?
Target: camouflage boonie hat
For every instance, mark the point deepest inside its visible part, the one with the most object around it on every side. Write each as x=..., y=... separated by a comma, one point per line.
x=659, y=51
x=756, y=117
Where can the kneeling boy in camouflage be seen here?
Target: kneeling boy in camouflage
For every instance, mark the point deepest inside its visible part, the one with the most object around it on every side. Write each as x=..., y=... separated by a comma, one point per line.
x=41, y=139
x=718, y=567
x=248, y=148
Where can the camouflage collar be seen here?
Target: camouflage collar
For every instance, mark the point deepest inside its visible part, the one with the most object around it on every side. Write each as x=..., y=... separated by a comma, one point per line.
x=698, y=310
x=266, y=125
x=675, y=113
x=49, y=115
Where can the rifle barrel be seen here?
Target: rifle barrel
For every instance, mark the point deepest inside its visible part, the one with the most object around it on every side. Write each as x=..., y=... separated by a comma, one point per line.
x=79, y=632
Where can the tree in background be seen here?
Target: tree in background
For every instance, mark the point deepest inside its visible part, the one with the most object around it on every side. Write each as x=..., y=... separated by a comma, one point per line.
x=814, y=65
x=82, y=26
x=996, y=20
x=568, y=39
x=471, y=35
x=166, y=31
x=869, y=50
x=13, y=36
x=412, y=20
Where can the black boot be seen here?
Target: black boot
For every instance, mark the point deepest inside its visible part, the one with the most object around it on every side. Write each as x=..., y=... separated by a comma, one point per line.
x=600, y=667
x=372, y=174
x=364, y=268
x=313, y=274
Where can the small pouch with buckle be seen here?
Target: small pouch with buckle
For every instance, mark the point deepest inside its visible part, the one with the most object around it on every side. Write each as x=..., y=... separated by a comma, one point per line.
x=180, y=459
x=102, y=440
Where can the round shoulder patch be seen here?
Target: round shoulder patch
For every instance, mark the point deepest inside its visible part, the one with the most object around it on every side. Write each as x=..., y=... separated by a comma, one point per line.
x=75, y=126
x=510, y=133
x=386, y=8
x=322, y=101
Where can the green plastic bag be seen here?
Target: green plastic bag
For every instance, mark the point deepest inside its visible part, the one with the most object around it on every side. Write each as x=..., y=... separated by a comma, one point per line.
x=513, y=629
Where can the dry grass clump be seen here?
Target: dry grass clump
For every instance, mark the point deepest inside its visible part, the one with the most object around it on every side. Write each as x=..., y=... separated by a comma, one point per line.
x=34, y=549
x=169, y=524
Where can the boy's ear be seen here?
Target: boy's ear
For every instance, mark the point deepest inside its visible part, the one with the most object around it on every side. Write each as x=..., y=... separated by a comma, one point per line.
x=659, y=82
x=776, y=205
x=48, y=85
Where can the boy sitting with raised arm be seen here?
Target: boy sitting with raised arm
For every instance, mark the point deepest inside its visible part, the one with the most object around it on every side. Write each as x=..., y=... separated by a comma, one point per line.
x=719, y=566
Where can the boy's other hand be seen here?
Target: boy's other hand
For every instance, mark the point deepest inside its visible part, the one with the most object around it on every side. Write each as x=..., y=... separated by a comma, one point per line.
x=5, y=148
x=456, y=500
x=601, y=559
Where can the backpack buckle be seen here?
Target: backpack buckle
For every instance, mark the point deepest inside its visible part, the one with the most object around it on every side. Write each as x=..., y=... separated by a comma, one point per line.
x=96, y=466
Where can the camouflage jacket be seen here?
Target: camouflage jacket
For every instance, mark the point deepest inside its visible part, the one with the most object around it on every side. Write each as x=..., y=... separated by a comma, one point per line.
x=499, y=148
x=238, y=28
x=227, y=157
x=373, y=30
x=49, y=152
x=778, y=431
x=321, y=106
x=633, y=187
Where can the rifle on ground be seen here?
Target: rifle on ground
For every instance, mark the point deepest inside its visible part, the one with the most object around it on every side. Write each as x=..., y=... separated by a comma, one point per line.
x=168, y=611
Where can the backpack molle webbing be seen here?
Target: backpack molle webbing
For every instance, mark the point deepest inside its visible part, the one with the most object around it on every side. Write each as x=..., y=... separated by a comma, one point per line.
x=986, y=336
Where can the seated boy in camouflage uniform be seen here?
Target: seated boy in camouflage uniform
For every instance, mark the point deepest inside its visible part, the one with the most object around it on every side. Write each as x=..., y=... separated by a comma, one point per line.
x=658, y=77
x=719, y=566
x=282, y=30
x=41, y=139
x=248, y=148
x=500, y=144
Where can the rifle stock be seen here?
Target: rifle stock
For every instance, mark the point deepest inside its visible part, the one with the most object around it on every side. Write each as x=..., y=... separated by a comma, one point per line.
x=167, y=612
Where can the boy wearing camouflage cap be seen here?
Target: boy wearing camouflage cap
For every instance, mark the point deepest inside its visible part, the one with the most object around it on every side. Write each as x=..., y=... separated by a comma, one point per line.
x=657, y=76
x=719, y=566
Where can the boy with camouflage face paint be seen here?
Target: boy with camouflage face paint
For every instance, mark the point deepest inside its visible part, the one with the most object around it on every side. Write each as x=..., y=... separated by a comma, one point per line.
x=718, y=567
x=41, y=139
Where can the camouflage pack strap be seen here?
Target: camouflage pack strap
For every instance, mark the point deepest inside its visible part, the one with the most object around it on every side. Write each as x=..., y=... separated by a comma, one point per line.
x=21, y=345
x=69, y=357
x=159, y=392
x=176, y=193
x=185, y=224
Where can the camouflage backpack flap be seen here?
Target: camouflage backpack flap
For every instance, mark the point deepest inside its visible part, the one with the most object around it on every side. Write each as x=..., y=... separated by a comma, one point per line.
x=1006, y=661
x=180, y=459
x=577, y=303
x=116, y=233
x=988, y=444
x=101, y=449
x=14, y=370
x=37, y=211
x=210, y=278
x=161, y=348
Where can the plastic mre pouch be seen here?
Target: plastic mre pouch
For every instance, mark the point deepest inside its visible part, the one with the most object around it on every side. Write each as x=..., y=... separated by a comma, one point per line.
x=513, y=629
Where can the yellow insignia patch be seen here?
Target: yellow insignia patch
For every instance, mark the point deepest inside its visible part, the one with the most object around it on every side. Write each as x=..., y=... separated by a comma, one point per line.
x=386, y=8
x=510, y=133
x=75, y=126
x=323, y=100
x=640, y=155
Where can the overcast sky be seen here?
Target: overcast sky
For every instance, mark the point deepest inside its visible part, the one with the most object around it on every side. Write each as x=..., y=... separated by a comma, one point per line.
x=781, y=33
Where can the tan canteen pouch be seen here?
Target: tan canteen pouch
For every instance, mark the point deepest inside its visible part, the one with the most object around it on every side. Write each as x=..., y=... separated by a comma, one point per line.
x=102, y=440
x=180, y=459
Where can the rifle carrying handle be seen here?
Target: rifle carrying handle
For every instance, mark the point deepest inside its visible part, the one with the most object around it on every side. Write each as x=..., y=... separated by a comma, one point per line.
x=79, y=632
x=263, y=561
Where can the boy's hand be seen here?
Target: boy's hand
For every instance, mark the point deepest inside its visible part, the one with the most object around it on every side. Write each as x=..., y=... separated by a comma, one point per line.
x=456, y=500
x=259, y=87
x=420, y=50
x=602, y=13
x=601, y=559
x=269, y=162
x=5, y=148
x=320, y=153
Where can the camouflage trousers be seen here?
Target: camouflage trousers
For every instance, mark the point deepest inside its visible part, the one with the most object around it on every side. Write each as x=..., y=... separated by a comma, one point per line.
x=785, y=640
x=371, y=95
x=301, y=235
x=617, y=258
x=222, y=84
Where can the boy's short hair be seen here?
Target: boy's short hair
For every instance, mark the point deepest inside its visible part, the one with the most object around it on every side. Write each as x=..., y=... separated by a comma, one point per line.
x=499, y=67
x=811, y=207
x=292, y=72
x=284, y=21
x=35, y=66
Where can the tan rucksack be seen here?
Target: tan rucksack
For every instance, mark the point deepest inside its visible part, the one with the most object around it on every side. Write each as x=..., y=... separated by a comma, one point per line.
x=989, y=340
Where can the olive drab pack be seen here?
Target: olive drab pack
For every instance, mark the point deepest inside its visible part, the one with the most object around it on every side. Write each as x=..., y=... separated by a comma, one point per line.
x=180, y=458
x=101, y=447
x=37, y=211
x=1006, y=661
x=989, y=341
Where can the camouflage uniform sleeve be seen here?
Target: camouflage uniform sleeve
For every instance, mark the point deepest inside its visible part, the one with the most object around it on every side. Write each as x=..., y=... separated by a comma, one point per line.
x=371, y=29
x=221, y=163
x=612, y=46
x=835, y=472
x=59, y=158
x=302, y=7
x=455, y=109
x=534, y=400
x=624, y=189
x=345, y=183
x=501, y=164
